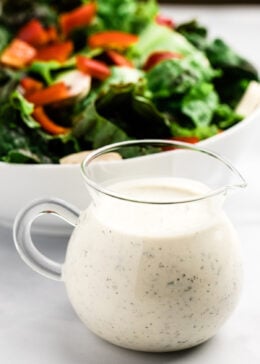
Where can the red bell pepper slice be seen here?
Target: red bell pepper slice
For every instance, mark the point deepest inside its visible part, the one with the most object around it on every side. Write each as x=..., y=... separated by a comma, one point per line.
x=30, y=85
x=119, y=59
x=78, y=17
x=164, y=20
x=33, y=33
x=47, y=124
x=57, y=92
x=158, y=57
x=58, y=52
x=52, y=34
x=186, y=139
x=18, y=54
x=92, y=67
x=112, y=39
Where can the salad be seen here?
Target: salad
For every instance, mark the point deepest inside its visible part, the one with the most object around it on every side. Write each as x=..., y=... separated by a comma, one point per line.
x=77, y=75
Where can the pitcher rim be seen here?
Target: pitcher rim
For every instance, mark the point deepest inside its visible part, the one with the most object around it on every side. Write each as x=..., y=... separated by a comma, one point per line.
x=112, y=148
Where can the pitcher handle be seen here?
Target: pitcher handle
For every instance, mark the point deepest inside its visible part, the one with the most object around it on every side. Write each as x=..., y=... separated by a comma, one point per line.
x=22, y=234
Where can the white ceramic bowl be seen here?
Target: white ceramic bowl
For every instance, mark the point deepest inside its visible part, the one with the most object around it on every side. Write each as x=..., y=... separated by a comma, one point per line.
x=20, y=184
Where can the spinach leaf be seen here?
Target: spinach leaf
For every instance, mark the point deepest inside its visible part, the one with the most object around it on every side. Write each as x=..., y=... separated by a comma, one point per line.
x=236, y=72
x=221, y=55
x=194, y=33
x=126, y=107
x=94, y=131
x=5, y=37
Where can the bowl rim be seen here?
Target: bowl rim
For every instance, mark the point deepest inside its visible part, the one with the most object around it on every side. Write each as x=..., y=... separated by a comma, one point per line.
x=203, y=143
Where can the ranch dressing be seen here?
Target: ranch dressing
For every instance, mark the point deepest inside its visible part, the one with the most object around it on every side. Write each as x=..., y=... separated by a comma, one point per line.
x=154, y=277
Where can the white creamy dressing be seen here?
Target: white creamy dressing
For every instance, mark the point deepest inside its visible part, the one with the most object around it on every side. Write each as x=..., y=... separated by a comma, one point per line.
x=154, y=277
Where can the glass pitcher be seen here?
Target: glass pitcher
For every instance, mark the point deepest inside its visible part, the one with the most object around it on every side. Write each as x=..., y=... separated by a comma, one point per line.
x=153, y=263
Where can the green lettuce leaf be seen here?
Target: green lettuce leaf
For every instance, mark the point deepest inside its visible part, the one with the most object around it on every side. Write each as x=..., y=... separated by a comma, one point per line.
x=126, y=15
x=225, y=117
x=45, y=70
x=122, y=76
x=25, y=108
x=160, y=38
x=8, y=83
x=177, y=76
x=200, y=103
x=23, y=141
x=201, y=132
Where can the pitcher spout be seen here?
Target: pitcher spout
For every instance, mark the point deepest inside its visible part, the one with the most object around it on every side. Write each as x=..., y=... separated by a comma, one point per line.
x=235, y=180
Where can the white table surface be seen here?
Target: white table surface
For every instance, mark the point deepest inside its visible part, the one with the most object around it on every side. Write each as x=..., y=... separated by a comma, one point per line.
x=37, y=323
